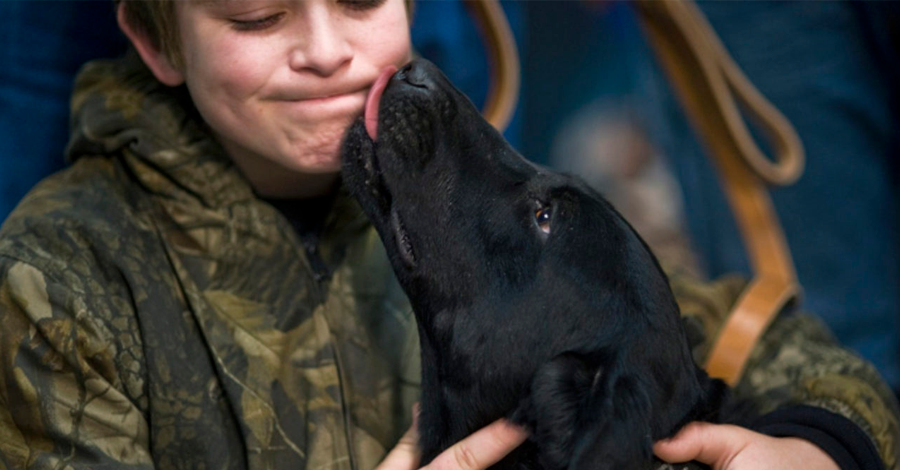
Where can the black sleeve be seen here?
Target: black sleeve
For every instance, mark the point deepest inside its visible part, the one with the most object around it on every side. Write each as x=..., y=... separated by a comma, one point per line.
x=839, y=437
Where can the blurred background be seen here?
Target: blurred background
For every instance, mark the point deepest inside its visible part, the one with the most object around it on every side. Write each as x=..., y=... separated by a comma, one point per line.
x=595, y=103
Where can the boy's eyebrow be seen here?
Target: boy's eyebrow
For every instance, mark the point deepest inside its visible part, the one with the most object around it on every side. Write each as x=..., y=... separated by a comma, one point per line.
x=213, y=3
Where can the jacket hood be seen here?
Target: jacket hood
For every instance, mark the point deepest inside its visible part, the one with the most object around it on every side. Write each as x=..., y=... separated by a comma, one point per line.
x=118, y=107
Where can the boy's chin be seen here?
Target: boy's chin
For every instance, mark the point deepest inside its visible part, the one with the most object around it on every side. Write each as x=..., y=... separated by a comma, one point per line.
x=310, y=157
x=318, y=164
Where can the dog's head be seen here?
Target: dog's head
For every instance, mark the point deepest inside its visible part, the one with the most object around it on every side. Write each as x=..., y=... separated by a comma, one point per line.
x=511, y=266
x=465, y=218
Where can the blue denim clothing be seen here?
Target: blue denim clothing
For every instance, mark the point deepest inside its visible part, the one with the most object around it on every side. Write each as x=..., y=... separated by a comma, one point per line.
x=823, y=64
x=831, y=67
x=42, y=45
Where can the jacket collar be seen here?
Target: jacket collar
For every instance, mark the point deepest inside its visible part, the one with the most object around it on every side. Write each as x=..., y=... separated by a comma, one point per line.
x=119, y=107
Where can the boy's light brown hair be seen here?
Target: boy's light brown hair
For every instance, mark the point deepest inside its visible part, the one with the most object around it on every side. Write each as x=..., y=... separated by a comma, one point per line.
x=156, y=19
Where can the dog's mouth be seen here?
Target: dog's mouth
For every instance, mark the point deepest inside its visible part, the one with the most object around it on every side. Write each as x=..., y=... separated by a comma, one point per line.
x=374, y=183
x=401, y=238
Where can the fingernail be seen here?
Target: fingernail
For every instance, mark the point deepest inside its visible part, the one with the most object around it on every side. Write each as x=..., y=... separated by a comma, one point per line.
x=416, y=411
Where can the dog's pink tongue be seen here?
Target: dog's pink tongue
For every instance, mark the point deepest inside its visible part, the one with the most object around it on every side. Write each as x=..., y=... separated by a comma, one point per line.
x=371, y=113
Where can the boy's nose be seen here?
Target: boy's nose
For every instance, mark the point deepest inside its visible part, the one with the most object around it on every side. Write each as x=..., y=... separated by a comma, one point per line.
x=323, y=49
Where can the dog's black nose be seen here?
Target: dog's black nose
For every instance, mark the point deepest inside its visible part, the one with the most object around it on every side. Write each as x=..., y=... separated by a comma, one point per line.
x=417, y=74
x=401, y=74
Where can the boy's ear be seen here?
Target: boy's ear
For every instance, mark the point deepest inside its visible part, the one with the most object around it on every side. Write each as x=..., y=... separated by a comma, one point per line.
x=156, y=60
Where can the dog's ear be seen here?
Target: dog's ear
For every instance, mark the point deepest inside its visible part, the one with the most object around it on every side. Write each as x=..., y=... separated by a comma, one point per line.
x=616, y=432
x=553, y=408
x=720, y=406
x=584, y=415
x=716, y=398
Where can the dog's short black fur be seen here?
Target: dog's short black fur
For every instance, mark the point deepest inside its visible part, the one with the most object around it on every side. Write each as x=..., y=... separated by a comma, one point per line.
x=574, y=333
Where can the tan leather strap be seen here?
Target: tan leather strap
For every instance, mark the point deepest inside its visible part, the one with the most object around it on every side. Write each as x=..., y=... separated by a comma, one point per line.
x=709, y=84
x=503, y=57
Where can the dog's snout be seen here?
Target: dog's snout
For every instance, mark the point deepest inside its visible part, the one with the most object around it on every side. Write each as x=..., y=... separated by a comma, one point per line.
x=416, y=74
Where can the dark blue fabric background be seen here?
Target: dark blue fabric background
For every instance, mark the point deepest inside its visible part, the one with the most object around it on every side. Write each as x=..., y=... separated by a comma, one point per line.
x=823, y=65
x=42, y=45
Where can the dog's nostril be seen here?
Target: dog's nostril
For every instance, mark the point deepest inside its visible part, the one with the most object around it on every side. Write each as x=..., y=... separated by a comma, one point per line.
x=401, y=74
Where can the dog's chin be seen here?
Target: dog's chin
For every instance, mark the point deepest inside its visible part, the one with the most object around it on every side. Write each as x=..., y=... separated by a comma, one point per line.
x=364, y=179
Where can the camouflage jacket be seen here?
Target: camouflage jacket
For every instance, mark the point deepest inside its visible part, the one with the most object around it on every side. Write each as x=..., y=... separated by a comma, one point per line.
x=157, y=314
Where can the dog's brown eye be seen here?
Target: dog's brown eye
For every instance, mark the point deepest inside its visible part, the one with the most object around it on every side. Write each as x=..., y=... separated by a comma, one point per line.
x=542, y=217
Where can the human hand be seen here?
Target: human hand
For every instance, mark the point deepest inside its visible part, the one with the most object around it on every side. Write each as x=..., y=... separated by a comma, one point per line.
x=479, y=451
x=727, y=447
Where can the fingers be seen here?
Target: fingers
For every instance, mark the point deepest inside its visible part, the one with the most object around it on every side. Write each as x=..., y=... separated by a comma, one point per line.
x=482, y=449
x=713, y=444
x=406, y=454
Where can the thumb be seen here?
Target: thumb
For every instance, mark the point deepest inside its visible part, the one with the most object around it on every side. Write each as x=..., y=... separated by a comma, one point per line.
x=713, y=444
x=406, y=454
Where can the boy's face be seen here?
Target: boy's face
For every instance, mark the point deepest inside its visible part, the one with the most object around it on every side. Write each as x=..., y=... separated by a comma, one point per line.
x=279, y=82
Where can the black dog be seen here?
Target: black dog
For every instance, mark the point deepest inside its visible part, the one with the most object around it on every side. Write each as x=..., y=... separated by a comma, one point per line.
x=535, y=300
